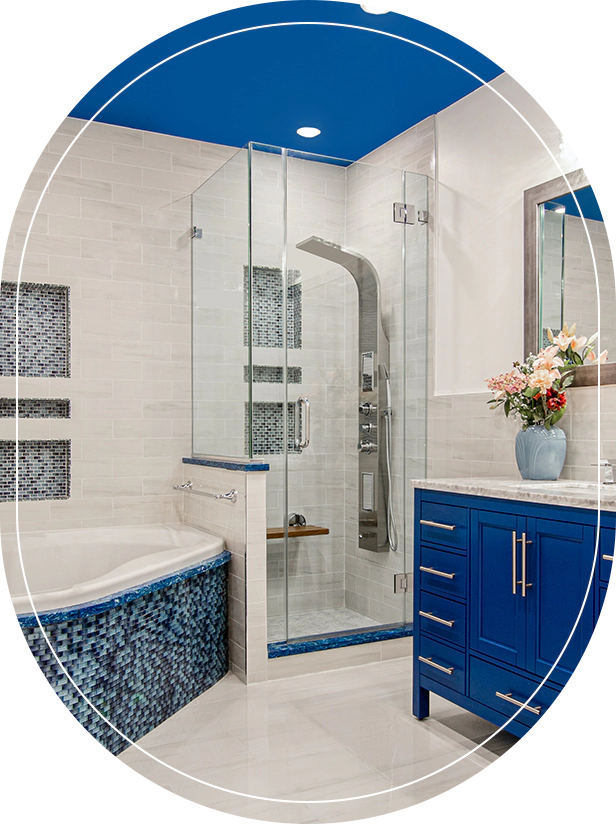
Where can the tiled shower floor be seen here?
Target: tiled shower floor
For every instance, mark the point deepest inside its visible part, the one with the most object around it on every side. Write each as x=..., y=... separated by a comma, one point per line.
x=317, y=623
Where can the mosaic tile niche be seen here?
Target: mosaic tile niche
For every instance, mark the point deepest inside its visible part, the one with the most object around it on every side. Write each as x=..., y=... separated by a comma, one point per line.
x=141, y=661
x=267, y=427
x=267, y=307
x=43, y=327
x=35, y=407
x=272, y=375
x=44, y=470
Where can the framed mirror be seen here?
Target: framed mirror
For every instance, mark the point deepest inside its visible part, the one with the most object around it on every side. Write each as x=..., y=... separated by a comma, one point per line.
x=559, y=275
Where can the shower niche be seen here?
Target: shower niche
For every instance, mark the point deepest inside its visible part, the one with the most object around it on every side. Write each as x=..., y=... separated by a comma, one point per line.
x=309, y=354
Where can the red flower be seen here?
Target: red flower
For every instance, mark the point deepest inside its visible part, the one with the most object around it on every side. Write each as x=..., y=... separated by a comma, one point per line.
x=556, y=400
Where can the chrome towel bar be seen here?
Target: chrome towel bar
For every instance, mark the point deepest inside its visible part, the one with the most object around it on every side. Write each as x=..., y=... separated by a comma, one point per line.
x=189, y=487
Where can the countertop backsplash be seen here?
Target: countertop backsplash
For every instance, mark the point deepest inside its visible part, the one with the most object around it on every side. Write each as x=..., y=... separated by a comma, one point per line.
x=468, y=439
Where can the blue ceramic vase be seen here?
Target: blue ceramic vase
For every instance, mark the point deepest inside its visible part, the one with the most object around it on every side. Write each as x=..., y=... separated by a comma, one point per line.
x=540, y=453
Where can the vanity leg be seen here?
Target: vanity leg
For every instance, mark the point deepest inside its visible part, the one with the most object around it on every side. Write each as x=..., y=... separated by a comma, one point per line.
x=421, y=701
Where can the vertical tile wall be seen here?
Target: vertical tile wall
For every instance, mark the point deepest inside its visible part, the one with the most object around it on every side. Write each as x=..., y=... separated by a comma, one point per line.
x=113, y=226
x=370, y=230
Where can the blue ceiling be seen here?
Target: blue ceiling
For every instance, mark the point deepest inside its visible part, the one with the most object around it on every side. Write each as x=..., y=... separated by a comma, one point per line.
x=360, y=88
x=587, y=201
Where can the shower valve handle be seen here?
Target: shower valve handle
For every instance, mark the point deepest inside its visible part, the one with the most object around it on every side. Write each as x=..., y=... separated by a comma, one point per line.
x=367, y=408
x=366, y=446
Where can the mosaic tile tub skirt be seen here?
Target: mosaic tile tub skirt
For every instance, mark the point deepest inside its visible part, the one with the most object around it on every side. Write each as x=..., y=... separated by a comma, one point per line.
x=141, y=661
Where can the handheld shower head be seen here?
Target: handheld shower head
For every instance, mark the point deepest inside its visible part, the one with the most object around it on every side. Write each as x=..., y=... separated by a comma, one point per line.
x=385, y=372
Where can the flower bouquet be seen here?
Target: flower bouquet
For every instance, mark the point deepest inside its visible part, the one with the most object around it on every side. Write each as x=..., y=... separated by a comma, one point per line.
x=535, y=392
x=535, y=389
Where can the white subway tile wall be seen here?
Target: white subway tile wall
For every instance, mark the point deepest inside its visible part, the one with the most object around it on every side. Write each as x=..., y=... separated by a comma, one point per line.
x=114, y=227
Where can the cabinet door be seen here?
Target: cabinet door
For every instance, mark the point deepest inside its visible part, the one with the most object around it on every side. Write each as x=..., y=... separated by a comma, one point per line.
x=560, y=569
x=497, y=616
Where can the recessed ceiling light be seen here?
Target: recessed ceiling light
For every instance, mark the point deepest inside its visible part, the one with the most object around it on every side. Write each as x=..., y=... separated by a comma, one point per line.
x=308, y=131
x=374, y=10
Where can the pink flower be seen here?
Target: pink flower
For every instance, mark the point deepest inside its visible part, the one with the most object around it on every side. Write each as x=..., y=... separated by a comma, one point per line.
x=543, y=379
x=592, y=357
x=562, y=341
x=509, y=382
x=546, y=359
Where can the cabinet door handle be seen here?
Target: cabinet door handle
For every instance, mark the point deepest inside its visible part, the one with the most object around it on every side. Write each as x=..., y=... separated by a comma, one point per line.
x=608, y=558
x=434, y=618
x=437, y=524
x=428, y=661
x=437, y=572
x=514, y=563
x=509, y=698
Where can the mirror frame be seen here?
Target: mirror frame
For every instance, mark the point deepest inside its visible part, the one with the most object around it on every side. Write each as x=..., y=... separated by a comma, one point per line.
x=588, y=375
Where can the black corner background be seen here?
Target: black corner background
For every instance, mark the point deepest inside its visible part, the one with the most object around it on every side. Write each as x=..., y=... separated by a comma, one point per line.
x=566, y=65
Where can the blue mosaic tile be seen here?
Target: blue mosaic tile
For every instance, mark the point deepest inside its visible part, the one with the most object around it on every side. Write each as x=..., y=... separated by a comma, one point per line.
x=272, y=375
x=44, y=330
x=242, y=466
x=140, y=662
x=277, y=649
x=267, y=427
x=80, y=611
x=44, y=470
x=263, y=306
x=35, y=407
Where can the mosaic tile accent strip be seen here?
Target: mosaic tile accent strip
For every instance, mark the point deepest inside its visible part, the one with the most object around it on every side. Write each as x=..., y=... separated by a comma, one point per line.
x=272, y=375
x=36, y=407
x=140, y=662
x=277, y=649
x=44, y=330
x=44, y=470
x=267, y=307
x=80, y=611
x=267, y=427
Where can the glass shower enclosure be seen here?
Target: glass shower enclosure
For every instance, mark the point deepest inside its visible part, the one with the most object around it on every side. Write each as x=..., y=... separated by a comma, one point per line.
x=309, y=354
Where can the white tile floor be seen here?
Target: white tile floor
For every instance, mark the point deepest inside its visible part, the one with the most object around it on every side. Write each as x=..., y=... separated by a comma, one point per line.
x=310, y=743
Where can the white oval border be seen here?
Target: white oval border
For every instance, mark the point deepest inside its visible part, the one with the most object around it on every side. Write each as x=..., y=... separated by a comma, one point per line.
x=81, y=131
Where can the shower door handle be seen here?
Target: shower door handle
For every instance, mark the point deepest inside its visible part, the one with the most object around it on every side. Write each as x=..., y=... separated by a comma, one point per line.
x=302, y=423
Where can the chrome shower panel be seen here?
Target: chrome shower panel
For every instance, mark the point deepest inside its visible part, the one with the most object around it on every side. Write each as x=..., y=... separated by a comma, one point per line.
x=372, y=400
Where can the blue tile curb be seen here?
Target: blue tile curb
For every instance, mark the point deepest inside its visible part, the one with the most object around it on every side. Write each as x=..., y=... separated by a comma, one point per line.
x=243, y=466
x=277, y=649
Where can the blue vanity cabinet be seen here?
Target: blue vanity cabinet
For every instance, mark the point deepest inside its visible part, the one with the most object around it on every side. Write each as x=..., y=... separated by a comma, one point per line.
x=529, y=577
x=606, y=558
x=528, y=568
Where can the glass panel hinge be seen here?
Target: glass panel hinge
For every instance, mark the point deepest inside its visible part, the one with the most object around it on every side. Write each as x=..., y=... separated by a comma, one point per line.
x=196, y=233
x=402, y=583
x=407, y=213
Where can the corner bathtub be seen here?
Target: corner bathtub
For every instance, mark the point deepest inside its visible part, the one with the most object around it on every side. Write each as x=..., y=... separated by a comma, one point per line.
x=136, y=615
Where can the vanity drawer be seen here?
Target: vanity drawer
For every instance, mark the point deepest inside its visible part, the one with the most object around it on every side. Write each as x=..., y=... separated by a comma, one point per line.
x=442, y=572
x=441, y=663
x=487, y=680
x=444, y=524
x=443, y=618
x=606, y=552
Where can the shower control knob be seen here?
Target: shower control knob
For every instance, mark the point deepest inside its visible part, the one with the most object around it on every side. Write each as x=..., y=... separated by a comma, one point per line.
x=367, y=408
x=367, y=428
x=366, y=446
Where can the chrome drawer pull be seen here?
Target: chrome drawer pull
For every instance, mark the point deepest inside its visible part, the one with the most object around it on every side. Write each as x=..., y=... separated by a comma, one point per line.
x=437, y=524
x=436, y=618
x=437, y=572
x=608, y=558
x=429, y=661
x=509, y=698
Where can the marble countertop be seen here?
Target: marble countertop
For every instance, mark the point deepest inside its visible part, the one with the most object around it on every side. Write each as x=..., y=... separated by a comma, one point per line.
x=568, y=493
